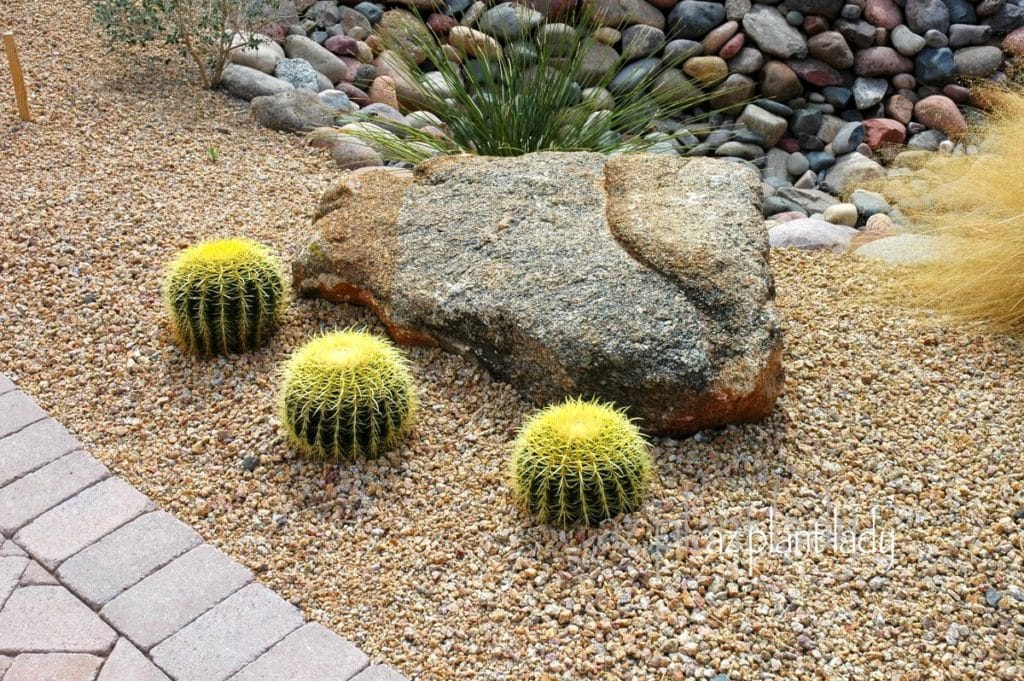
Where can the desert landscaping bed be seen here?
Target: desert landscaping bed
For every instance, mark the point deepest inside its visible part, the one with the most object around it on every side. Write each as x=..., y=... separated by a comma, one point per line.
x=889, y=421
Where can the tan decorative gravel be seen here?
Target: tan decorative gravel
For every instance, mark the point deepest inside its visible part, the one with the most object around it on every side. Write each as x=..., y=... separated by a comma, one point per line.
x=420, y=558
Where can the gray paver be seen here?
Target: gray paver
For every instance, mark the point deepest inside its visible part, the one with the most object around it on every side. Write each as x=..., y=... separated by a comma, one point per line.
x=6, y=384
x=173, y=596
x=11, y=570
x=54, y=667
x=41, y=619
x=35, y=446
x=126, y=663
x=379, y=672
x=36, y=575
x=9, y=548
x=312, y=653
x=29, y=497
x=17, y=410
x=228, y=637
x=99, y=572
x=65, y=530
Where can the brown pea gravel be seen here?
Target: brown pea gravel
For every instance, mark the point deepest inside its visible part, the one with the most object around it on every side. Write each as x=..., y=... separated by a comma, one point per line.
x=421, y=558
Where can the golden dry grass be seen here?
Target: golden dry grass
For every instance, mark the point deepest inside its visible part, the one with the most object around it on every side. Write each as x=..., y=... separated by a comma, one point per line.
x=977, y=204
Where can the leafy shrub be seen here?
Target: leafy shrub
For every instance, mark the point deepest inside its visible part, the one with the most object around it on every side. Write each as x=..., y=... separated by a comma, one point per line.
x=206, y=30
x=580, y=462
x=974, y=203
x=347, y=395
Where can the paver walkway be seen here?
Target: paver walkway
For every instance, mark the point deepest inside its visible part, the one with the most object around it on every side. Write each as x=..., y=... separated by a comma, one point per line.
x=97, y=584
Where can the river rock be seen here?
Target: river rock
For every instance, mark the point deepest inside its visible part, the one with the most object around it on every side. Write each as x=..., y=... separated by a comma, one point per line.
x=246, y=83
x=849, y=170
x=883, y=13
x=867, y=92
x=652, y=290
x=773, y=34
x=694, y=19
x=293, y=111
x=262, y=57
x=510, y=21
x=935, y=66
x=811, y=234
x=941, y=113
x=301, y=47
x=778, y=81
x=884, y=131
x=881, y=61
x=831, y=48
x=906, y=41
x=927, y=15
x=977, y=62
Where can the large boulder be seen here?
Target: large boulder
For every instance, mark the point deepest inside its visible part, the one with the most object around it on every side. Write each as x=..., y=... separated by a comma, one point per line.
x=639, y=279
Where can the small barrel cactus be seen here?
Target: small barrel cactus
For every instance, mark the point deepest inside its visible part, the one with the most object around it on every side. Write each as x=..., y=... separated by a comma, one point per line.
x=346, y=395
x=224, y=296
x=580, y=461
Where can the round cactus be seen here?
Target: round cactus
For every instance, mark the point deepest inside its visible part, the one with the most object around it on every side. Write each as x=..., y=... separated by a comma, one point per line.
x=347, y=394
x=224, y=296
x=580, y=461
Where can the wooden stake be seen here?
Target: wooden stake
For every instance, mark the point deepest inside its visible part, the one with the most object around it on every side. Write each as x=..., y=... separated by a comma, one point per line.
x=20, y=92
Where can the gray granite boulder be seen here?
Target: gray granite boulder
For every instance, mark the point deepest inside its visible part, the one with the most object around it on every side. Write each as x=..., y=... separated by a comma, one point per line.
x=639, y=279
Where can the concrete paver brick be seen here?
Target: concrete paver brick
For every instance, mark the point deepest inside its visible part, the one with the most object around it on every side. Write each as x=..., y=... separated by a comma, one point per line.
x=29, y=497
x=76, y=523
x=174, y=595
x=312, y=653
x=101, y=571
x=40, y=619
x=228, y=637
x=126, y=663
x=53, y=667
x=17, y=410
x=32, y=447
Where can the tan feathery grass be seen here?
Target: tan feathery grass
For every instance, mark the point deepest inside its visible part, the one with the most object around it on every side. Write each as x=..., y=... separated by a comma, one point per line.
x=975, y=203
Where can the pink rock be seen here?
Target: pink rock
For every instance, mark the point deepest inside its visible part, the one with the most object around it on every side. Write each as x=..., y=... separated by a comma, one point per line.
x=1014, y=42
x=790, y=144
x=815, y=72
x=940, y=112
x=958, y=93
x=900, y=108
x=732, y=47
x=355, y=94
x=664, y=4
x=883, y=13
x=718, y=37
x=353, y=65
x=554, y=9
x=788, y=216
x=813, y=24
x=441, y=24
x=884, y=131
x=342, y=46
x=881, y=61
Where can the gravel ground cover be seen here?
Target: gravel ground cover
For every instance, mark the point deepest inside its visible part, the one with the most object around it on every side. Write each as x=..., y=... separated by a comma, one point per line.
x=896, y=443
